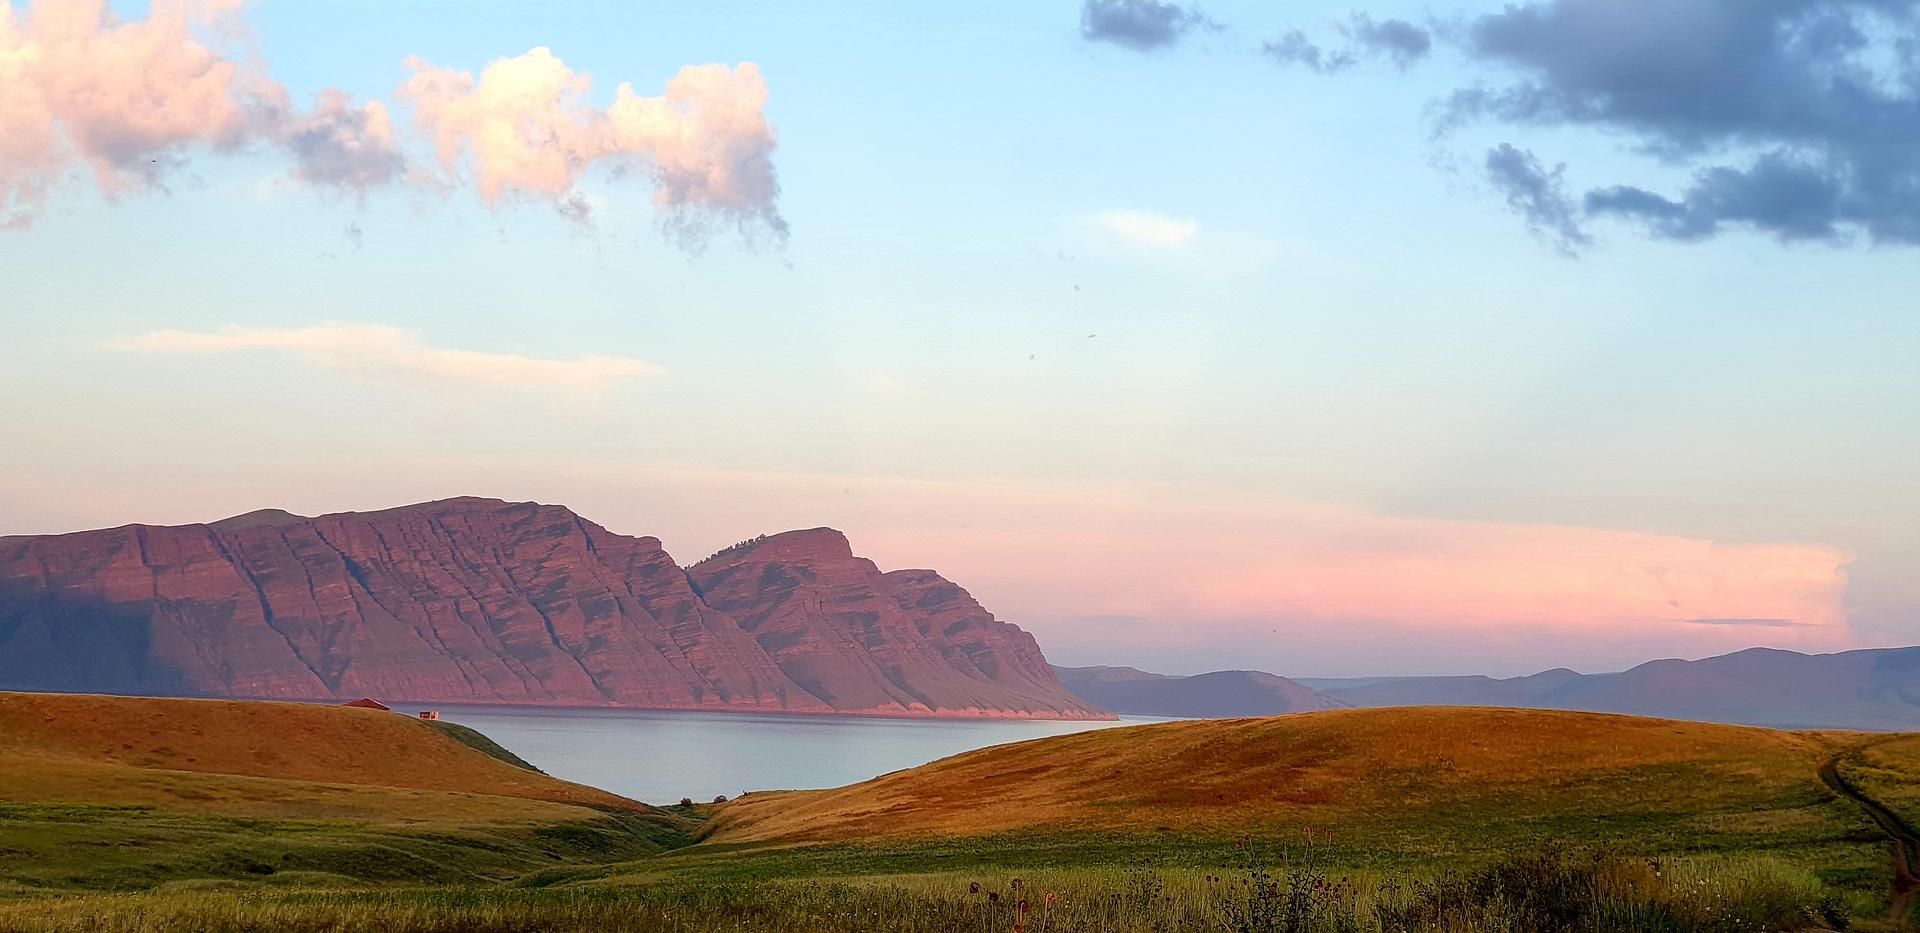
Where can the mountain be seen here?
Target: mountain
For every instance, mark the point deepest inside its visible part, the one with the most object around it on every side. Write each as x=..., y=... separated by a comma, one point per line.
x=1875, y=688
x=860, y=639
x=1218, y=695
x=479, y=600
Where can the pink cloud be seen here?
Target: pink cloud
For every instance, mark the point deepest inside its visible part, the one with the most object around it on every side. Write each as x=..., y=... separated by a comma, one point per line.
x=392, y=354
x=522, y=128
x=77, y=84
x=1095, y=570
x=129, y=99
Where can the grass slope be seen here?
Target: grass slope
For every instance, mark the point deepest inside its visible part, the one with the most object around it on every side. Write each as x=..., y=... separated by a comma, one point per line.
x=135, y=792
x=291, y=741
x=476, y=740
x=1888, y=770
x=1156, y=827
x=1447, y=775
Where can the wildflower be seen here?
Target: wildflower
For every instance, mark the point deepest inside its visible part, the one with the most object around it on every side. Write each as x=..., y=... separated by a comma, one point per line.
x=1023, y=905
x=1049, y=899
x=993, y=896
x=973, y=888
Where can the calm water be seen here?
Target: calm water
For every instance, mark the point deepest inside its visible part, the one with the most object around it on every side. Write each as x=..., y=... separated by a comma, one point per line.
x=660, y=757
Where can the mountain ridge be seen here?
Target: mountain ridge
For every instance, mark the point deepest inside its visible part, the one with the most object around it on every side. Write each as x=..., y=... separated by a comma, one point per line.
x=1866, y=688
x=481, y=600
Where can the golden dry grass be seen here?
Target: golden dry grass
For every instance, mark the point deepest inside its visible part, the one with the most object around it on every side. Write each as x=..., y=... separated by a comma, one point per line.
x=1343, y=768
x=119, y=793
x=129, y=750
x=1888, y=770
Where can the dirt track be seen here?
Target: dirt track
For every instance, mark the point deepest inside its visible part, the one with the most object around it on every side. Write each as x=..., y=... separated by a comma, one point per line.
x=1905, y=842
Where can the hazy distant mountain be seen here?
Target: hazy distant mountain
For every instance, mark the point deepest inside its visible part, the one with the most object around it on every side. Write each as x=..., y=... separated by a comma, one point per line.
x=1868, y=689
x=1221, y=694
x=487, y=601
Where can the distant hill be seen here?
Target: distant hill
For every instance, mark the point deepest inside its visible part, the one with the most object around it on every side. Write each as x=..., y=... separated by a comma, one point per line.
x=1455, y=779
x=479, y=600
x=1220, y=694
x=1868, y=689
x=1877, y=688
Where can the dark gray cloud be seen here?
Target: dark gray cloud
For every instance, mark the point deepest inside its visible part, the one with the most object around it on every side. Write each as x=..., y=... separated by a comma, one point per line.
x=1363, y=37
x=1294, y=48
x=1399, y=40
x=1791, y=199
x=1142, y=25
x=1538, y=195
x=1801, y=117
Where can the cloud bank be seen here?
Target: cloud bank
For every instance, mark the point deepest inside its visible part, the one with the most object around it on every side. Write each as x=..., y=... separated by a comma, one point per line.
x=1798, y=119
x=1110, y=573
x=392, y=354
x=1802, y=116
x=126, y=101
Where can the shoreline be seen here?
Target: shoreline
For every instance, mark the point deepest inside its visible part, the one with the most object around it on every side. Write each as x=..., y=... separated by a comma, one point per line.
x=973, y=714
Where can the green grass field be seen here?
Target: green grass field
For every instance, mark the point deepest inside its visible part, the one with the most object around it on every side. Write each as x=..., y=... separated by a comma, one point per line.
x=212, y=818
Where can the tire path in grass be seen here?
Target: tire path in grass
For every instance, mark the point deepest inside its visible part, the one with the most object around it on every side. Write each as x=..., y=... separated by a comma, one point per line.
x=1905, y=841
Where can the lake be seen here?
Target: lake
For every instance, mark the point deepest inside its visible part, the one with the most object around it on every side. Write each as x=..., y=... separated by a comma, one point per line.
x=660, y=757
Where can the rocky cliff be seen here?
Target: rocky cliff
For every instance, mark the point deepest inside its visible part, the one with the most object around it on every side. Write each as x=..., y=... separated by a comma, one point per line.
x=478, y=600
x=860, y=639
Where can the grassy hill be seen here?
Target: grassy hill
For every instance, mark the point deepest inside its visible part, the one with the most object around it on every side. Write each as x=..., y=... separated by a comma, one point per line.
x=125, y=792
x=1389, y=818
x=1449, y=777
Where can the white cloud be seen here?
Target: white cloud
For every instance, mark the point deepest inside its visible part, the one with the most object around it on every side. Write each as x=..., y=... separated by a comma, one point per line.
x=1148, y=228
x=380, y=351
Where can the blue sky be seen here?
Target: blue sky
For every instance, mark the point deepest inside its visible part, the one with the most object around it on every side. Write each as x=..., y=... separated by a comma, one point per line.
x=1358, y=336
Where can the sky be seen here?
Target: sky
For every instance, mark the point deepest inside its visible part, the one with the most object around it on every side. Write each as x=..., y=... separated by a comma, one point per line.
x=1322, y=338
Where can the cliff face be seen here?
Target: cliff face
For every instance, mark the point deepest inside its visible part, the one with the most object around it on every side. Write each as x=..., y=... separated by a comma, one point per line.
x=869, y=641
x=478, y=600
